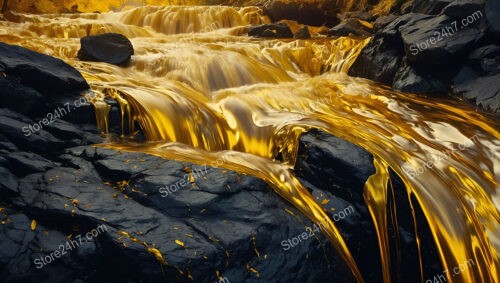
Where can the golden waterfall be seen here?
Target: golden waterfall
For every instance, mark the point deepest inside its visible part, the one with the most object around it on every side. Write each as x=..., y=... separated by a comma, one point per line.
x=198, y=90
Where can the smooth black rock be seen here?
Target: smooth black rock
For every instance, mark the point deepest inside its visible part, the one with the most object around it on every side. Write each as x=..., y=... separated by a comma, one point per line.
x=302, y=33
x=277, y=30
x=111, y=48
x=349, y=27
x=47, y=75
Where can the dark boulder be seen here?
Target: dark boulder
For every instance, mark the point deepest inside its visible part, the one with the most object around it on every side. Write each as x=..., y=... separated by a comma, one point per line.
x=111, y=48
x=302, y=33
x=349, y=27
x=276, y=30
x=45, y=74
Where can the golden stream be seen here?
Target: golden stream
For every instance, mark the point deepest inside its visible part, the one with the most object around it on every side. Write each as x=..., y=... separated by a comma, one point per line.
x=197, y=96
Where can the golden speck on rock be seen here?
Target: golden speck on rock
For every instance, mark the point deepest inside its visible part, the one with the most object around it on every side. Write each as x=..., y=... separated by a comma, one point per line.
x=180, y=243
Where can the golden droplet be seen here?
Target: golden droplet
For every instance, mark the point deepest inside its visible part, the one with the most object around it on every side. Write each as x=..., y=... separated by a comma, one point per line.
x=33, y=224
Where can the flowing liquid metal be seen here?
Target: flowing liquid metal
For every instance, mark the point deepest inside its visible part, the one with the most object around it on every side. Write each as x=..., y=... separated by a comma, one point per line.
x=197, y=96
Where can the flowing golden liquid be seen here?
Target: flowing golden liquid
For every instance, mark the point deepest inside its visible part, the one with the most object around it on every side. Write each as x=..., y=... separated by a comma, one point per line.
x=199, y=96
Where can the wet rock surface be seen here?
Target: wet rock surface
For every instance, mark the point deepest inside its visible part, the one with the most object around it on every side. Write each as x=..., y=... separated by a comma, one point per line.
x=111, y=48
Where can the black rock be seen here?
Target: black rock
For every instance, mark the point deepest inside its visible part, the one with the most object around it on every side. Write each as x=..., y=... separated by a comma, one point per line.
x=485, y=60
x=435, y=41
x=462, y=9
x=349, y=27
x=111, y=48
x=382, y=56
x=19, y=98
x=8, y=183
x=492, y=11
x=340, y=169
x=20, y=131
x=314, y=14
x=383, y=21
x=430, y=7
x=485, y=91
x=195, y=228
x=412, y=79
x=302, y=33
x=45, y=74
x=334, y=164
x=24, y=163
x=277, y=30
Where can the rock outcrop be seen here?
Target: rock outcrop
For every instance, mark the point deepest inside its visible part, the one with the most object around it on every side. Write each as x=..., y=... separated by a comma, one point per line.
x=442, y=47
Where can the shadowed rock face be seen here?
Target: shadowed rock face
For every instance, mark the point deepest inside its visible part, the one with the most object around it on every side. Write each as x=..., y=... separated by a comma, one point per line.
x=111, y=48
